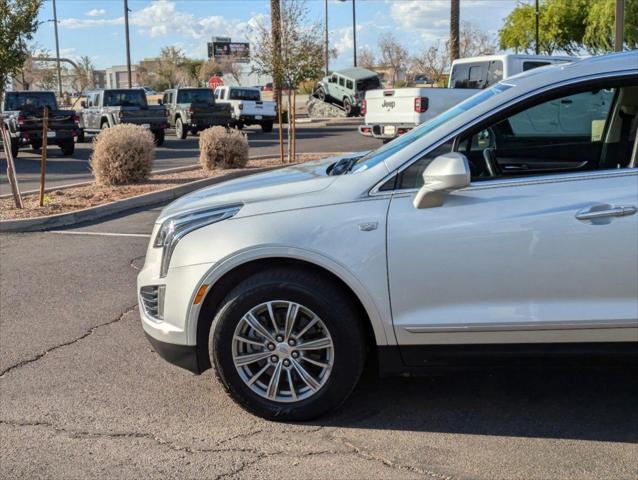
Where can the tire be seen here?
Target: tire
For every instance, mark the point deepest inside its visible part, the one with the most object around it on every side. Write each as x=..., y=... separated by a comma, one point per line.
x=15, y=147
x=321, y=94
x=347, y=106
x=36, y=145
x=81, y=138
x=159, y=137
x=180, y=131
x=266, y=127
x=67, y=147
x=104, y=126
x=338, y=325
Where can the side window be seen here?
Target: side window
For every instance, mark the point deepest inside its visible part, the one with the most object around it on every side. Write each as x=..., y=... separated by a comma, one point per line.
x=530, y=65
x=89, y=100
x=476, y=78
x=349, y=84
x=494, y=72
x=341, y=82
x=412, y=177
x=166, y=99
x=333, y=79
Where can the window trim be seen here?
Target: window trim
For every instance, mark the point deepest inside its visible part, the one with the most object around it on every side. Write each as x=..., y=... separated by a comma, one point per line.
x=545, y=90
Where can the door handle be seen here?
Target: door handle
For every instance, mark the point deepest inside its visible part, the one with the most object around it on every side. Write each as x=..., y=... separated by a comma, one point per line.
x=591, y=214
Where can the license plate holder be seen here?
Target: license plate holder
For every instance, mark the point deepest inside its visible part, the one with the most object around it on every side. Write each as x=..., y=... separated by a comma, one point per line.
x=258, y=117
x=146, y=125
x=390, y=130
x=50, y=134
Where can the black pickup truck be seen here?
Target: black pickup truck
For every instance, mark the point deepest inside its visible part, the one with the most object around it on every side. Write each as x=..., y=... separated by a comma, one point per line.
x=109, y=107
x=22, y=114
x=194, y=109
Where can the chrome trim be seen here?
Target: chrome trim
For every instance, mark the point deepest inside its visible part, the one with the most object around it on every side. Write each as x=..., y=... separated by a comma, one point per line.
x=522, y=327
x=375, y=190
x=611, y=212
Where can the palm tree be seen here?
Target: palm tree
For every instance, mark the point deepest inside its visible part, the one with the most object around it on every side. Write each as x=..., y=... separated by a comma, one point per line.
x=454, y=29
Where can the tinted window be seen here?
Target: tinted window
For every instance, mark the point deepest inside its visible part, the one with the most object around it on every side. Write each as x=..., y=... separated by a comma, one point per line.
x=333, y=79
x=529, y=65
x=195, y=95
x=494, y=72
x=349, y=84
x=341, y=82
x=125, y=98
x=372, y=83
x=470, y=75
x=29, y=100
x=244, y=94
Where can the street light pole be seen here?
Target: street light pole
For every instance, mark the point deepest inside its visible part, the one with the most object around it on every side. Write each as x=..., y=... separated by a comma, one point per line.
x=128, y=45
x=327, y=54
x=354, y=30
x=537, y=14
x=620, y=23
x=57, y=49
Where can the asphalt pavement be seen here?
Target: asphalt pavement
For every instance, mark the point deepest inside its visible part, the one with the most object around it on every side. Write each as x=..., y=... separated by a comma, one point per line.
x=177, y=153
x=83, y=395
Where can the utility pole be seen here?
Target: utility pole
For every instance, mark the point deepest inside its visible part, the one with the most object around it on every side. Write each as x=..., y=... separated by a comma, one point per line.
x=455, y=8
x=277, y=80
x=128, y=45
x=327, y=54
x=620, y=24
x=57, y=49
x=354, y=30
x=537, y=14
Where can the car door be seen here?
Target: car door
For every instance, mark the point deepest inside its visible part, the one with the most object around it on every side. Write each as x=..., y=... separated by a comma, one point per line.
x=517, y=259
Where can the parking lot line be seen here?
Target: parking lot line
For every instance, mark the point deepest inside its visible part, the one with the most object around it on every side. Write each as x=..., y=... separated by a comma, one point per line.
x=102, y=234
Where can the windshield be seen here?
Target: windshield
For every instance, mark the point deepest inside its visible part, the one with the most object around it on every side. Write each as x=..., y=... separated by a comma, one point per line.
x=400, y=143
x=28, y=101
x=244, y=94
x=199, y=95
x=124, y=98
x=368, y=84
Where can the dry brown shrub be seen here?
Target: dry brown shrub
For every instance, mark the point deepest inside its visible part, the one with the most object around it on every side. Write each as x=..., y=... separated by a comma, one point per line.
x=122, y=154
x=222, y=148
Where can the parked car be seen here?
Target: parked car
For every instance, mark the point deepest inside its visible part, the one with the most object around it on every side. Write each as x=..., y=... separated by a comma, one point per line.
x=193, y=109
x=486, y=236
x=23, y=116
x=108, y=107
x=391, y=112
x=347, y=88
x=247, y=107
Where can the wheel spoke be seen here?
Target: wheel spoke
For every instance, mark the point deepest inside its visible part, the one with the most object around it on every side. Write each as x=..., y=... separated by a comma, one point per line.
x=305, y=376
x=271, y=314
x=291, y=316
x=246, y=340
x=308, y=327
x=250, y=319
x=274, y=382
x=242, y=360
x=291, y=385
x=315, y=362
x=318, y=344
x=254, y=378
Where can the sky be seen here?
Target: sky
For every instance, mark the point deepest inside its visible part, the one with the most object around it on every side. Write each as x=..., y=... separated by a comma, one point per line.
x=96, y=28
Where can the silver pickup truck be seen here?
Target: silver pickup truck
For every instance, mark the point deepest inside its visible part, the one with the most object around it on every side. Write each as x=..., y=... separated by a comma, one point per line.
x=109, y=107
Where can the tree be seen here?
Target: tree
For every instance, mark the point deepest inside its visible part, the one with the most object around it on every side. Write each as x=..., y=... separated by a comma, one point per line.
x=474, y=42
x=366, y=58
x=229, y=65
x=433, y=62
x=455, y=6
x=600, y=24
x=84, y=74
x=170, y=63
x=18, y=23
x=190, y=69
x=36, y=74
x=208, y=69
x=393, y=55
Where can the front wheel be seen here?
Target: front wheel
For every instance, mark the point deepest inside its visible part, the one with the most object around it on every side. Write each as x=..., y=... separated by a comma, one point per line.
x=287, y=345
x=347, y=106
x=266, y=127
x=180, y=131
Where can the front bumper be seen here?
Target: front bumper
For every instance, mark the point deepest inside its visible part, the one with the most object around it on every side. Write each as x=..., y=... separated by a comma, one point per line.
x=183, y=356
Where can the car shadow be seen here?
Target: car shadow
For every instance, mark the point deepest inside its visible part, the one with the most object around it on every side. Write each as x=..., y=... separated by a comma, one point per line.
x=583, y=404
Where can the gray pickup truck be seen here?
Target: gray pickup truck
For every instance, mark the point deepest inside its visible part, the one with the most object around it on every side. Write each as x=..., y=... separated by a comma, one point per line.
x=109, y=107
x=22, y=114
x=193, y=109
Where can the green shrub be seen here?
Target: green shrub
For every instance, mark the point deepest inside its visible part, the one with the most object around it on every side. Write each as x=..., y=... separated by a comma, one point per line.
x=222, y=148
x=122, y=154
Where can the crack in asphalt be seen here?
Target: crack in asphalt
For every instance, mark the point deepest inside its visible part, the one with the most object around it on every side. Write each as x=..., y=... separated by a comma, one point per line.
x=86, y=334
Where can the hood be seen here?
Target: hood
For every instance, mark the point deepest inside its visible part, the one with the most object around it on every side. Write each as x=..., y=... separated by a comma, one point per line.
x=288, y=182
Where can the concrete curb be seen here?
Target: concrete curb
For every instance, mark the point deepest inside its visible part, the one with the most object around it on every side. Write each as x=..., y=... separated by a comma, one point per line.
x=101, y=211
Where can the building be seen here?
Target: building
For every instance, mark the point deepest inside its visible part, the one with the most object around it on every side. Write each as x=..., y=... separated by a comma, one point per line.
x=117, y=76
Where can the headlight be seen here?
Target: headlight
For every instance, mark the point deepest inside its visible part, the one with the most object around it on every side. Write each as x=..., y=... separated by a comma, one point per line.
x=175, y=228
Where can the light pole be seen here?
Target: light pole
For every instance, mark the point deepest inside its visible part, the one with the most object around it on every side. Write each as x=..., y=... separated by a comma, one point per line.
x=537, y=14
x=620, y=21
x=354, y=30
x=57, y=48
x=327, y=54
x=128, y=45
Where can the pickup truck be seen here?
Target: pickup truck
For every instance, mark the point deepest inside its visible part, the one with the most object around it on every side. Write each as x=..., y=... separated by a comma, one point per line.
x=194, y=109
x=247, y=107
x=391, y=112
x=106, y=108
x=22, y=114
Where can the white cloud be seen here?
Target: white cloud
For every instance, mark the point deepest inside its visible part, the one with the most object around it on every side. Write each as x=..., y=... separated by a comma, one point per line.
x=90, y=22
x=96, y=12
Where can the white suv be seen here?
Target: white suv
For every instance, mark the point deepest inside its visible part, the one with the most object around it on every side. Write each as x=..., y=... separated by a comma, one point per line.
x=505, y=226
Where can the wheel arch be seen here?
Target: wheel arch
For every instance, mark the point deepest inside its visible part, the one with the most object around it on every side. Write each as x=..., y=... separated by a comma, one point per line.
x=218, y=290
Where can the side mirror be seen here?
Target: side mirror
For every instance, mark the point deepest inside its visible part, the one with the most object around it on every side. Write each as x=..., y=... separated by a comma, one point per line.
x=83, y=104
x=445, y=174
x=160, y=101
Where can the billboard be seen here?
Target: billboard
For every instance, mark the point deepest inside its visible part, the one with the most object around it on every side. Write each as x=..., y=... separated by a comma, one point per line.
x=225, y=48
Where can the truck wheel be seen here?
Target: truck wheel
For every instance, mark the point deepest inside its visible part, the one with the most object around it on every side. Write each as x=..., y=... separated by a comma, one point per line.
x=15, y=147
x=180, y=131
x=239, y=125
x=67, y=147
x=36, y=144
x=104, y=126
x=159, y=137
x=347, y=106
x=266, y=127
x=81, y=138
x=299, y=354
x=321, y=94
